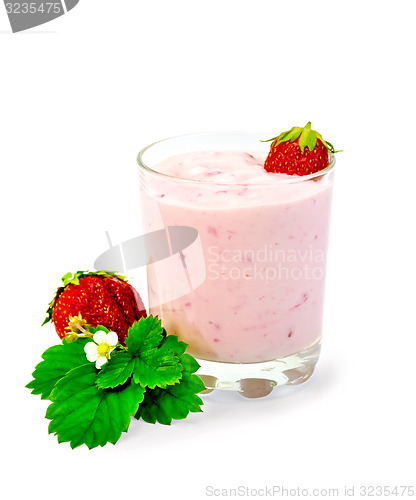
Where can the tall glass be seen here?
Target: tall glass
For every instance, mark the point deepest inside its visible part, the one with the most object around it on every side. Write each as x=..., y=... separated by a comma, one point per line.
x=244, y=281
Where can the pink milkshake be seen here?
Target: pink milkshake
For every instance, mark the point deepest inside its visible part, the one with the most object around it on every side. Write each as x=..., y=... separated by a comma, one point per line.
x=254, y=280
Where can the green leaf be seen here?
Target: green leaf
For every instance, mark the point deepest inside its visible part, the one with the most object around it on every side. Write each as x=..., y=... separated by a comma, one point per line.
x=331, y=147
x=284, y=136
x=294, y=134
x=307, y=138
x=190, y=364
x=155, y=362
x=288, y=136
x=65, y=278
x=176, y=345
x=116, y=371
x=58, y=360
x=176, y=401
x=145, y=334
x=48, y=314
x=151, y=358
x=157, y=367
x=51, y=305
x=81, y=413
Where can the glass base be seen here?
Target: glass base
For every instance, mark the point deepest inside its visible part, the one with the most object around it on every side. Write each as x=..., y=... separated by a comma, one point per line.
x=256, y=380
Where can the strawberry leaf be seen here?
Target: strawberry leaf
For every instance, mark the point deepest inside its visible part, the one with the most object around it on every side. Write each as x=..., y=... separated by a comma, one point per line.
x=152, y=377
x=155, y=361
x=176, y=401
x=157, y=367
x=294, y=134
x=81, y=413
x=51, y=305
x=58, y=360
x=173, y=343
x=144, y=335
x=151, y=358
x=190, y=364
x=116, y=371
x=284, y=136
x=307, y=138
x=65, y=278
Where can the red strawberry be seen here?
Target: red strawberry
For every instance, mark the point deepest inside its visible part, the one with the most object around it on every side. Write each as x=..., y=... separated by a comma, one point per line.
x=96, y=298
x=299, y=151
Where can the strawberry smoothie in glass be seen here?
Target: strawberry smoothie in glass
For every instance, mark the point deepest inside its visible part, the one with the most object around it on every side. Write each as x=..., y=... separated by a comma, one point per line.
x=247, y=295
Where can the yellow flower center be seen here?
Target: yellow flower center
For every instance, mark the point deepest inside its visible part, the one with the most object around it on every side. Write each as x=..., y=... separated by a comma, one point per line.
x=103, y=349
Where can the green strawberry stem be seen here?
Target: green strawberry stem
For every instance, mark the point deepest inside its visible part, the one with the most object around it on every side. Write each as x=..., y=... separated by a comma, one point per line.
x=68, y=278
x=307, y=137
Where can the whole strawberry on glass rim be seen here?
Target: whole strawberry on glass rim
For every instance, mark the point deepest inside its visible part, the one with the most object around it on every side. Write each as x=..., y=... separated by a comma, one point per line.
x=298, y=151
x=94, y=298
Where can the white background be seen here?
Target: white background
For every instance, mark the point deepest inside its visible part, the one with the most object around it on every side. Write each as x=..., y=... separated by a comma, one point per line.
x=81, y=95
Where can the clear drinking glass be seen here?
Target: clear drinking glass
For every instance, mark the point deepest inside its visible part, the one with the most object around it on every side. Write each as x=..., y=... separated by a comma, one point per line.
x=244, y=281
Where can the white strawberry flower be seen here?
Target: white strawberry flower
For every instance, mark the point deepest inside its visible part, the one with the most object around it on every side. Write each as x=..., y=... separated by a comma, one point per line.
x=99, y=351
